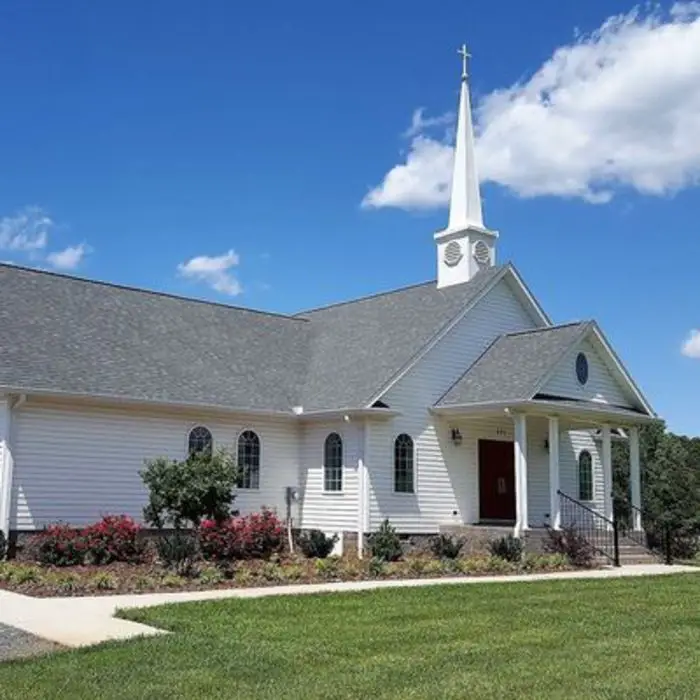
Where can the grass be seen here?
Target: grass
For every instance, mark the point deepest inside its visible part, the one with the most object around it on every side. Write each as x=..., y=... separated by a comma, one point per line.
x=624, y=638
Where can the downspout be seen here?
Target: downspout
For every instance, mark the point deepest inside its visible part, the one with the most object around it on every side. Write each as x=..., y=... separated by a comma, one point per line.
x=362, y=492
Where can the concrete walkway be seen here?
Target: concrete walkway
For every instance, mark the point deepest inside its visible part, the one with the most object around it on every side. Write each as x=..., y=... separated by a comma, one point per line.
x=78, y=622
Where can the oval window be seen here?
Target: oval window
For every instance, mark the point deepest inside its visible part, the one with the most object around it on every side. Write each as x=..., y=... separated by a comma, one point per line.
x=582, y=368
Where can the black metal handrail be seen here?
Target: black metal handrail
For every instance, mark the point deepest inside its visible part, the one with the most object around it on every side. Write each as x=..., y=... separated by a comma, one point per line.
x=600, y=531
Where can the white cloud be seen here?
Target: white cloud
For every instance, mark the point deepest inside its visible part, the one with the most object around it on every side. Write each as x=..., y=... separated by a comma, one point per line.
x=419, y=123
x=618, y=107
x=214, y=271
x=68, y=258
x=691, y=346
x=28, y=230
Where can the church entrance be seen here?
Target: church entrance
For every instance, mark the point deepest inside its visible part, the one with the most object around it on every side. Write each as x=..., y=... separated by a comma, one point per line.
x=496, y=481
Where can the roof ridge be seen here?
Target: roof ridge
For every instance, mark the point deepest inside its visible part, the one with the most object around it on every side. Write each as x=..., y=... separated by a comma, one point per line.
x=386, y=293
x=143, y=290
x=374, y=295
x=542, y=329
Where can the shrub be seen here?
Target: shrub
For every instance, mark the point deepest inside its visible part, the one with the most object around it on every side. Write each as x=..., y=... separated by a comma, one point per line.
x=63, y=583
x=476, y=564
x=385, y=543
x=173, y=581
x=315, y=544
x=19, y=573
x=572, y=544
x=327, y=568
x=3, y=545
x=103, y=581
x=508, y=548
x=58, y=545
x=211, y=575
x=377, y=567
x=202, y=486
x=271, y=571
x=178, y=551
x=256, y=536
x=114, y=538
x=446, y=546
x=545, y=562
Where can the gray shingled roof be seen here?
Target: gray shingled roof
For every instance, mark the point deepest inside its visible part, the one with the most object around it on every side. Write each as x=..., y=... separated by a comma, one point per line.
x=514, y=365
x=63, y=334
x=68, y=335
x=360, y=346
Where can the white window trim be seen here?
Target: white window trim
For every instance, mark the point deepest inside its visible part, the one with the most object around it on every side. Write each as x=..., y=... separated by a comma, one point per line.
x=189, y=431
x=341, y=490
x=413, y=492
x=578, y=477
x=260, y=460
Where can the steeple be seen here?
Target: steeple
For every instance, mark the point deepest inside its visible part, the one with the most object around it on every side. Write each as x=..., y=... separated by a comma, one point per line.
x=465, y=201
x=466, y=245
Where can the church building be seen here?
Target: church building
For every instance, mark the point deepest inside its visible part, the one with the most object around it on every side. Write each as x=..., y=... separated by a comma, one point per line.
x=452, y=403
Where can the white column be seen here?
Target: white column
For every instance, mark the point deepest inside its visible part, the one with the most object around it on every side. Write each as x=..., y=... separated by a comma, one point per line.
x=554, y=501
x=521, y=523
x=6, y=465
x=607, y=473
x=635, y=479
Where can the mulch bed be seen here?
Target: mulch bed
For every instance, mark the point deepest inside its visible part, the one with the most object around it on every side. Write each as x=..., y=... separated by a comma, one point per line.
x=122, y=578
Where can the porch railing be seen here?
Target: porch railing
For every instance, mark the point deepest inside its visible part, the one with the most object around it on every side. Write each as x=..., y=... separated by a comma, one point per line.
x=601, y=532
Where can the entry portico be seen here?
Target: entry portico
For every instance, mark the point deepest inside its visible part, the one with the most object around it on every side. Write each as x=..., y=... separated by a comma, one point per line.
x=554, y=399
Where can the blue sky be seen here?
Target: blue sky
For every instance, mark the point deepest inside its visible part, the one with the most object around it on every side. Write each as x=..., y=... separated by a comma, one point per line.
x=224, y=150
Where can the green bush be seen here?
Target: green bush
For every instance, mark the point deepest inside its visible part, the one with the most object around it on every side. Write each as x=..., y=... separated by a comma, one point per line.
x=446, y=546
x=377, y=567
x=3, y=545
x=315, y=544
x=508, y=548
x=211, y=575
x=385, y=543
x=103, y=581
x=188, y=491
x=327, y=568
x=178, y=551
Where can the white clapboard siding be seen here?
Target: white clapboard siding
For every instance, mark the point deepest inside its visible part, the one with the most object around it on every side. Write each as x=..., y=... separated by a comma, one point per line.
x=77, y=464
x=446, y=491
x=601, y=386
x=330, y=511
x=571, y=446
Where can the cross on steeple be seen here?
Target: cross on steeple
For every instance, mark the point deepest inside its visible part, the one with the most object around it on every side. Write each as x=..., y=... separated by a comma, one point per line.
x=465, y=56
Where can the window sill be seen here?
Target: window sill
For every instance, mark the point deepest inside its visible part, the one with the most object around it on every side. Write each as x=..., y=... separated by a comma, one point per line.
x=332, y=493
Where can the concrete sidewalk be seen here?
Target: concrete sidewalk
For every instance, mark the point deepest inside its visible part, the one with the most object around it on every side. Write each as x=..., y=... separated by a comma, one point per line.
x=79, y=622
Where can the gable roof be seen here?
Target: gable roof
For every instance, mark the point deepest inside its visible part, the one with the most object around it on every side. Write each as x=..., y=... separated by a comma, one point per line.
x=514, y=365
x=65, y=335
x=359, y=346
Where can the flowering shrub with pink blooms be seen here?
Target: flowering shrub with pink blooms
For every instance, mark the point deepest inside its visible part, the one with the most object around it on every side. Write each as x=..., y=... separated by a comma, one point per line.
x=114, y=538
x=58, y=544
x=254, y=536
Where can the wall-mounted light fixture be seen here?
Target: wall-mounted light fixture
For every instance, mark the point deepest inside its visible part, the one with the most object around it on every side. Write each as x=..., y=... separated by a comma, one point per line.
x=546, y=444
x=456, y=437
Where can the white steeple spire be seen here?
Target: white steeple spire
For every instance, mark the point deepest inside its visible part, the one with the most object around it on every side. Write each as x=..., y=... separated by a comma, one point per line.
x=466, y=245
x=465, y=201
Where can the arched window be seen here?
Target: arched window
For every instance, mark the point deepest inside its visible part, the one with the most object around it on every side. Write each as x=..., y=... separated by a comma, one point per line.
x=333, y=463
x=199, y=440
x=249, y=460
x=403, y=464
x=585, y=476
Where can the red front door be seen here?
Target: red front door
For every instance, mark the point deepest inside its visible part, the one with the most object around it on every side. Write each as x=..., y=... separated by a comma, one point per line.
x=496, y=480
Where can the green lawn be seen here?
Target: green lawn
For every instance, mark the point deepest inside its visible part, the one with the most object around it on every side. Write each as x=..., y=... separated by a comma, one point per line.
x=625, y=638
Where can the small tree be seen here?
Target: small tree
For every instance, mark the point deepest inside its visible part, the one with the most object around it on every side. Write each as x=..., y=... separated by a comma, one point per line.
x=188, y=491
